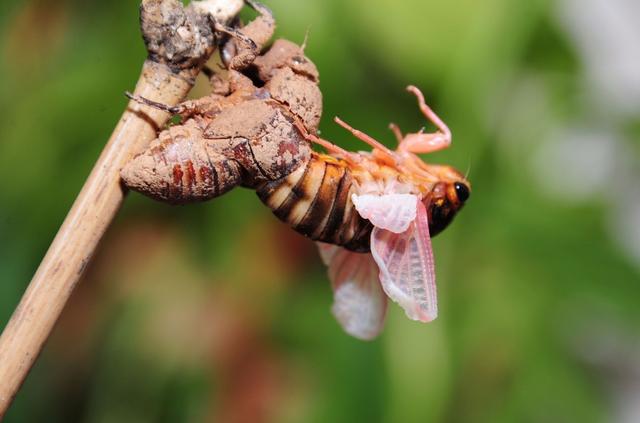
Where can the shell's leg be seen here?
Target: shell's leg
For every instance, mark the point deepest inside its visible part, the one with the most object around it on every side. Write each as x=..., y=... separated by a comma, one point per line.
x=246, y=42
x=186, y=109
x=387, y=154
x=426, y=142
x=175, y=110
x=219, y=84
x=261, y=29
x=239, y=83
x=226, y=90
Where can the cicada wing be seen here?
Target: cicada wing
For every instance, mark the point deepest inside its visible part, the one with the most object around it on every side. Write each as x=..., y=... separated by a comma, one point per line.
x=393, y=212
x=406, y=264
x=359, y=303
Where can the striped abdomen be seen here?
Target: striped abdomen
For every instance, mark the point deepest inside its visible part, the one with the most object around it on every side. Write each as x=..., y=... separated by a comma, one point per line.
x=315, y=200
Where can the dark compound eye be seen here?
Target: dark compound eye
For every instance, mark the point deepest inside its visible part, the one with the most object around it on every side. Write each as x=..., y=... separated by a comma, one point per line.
x=461, y=191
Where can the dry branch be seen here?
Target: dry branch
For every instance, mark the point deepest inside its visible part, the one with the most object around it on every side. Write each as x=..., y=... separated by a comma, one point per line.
x=179, y=40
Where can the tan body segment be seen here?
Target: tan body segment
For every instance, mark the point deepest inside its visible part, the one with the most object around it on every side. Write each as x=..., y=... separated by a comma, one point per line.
x=315, y=200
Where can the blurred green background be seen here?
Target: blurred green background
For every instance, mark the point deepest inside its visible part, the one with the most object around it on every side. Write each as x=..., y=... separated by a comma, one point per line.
x=217, y=312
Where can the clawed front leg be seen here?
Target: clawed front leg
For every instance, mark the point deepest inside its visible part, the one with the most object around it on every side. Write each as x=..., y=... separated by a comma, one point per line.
x=225, y=93
x=246, y=43
x=156, y=105
x=239, y=52
x=223, y=86
x=424, y=142
x=219, y=85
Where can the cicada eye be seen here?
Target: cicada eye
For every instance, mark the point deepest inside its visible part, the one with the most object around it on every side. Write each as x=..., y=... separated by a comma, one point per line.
x=462, y=191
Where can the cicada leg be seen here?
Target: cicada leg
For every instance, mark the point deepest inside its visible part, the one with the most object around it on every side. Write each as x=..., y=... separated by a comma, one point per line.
x=397, y=132
x=334, y=149
x=425, y=142
x=386, y=154
x=331, y=148
x=174, y=110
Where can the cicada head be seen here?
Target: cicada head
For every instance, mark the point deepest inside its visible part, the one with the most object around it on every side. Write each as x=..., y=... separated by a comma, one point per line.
x=445, y=197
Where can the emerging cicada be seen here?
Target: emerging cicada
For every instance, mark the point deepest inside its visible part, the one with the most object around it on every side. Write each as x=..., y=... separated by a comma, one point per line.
x=386, y=204
x=372, y=213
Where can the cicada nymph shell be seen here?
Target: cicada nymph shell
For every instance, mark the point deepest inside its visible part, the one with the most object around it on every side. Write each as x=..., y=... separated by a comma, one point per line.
x=246, y=132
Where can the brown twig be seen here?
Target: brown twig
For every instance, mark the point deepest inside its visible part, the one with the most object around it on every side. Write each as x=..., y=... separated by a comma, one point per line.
x=179, y=40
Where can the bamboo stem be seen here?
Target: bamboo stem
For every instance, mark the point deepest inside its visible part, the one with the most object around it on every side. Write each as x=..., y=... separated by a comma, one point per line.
x=100, y=197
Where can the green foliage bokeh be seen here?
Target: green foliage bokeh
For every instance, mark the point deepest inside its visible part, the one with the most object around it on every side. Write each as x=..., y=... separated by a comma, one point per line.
x=218, y=312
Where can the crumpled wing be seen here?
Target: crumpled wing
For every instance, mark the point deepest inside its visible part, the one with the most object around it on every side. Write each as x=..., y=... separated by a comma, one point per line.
x=406, y=264
x=359, y=303
x=393, y=212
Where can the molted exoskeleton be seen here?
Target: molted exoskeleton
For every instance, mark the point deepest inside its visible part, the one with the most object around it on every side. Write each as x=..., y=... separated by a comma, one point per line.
x=244, y=133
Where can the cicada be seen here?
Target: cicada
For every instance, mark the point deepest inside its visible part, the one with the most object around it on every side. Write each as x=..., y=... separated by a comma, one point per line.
x=373, y=215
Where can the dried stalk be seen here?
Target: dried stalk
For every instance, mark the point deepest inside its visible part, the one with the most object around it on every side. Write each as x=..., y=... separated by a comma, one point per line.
x=179, y=40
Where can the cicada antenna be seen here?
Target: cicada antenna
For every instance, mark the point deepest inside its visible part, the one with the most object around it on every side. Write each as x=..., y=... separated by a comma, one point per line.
x=468, y=172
